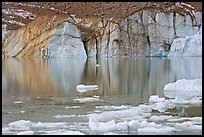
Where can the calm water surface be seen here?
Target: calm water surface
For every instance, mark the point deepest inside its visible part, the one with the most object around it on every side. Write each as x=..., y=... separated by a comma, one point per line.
x=46, y=87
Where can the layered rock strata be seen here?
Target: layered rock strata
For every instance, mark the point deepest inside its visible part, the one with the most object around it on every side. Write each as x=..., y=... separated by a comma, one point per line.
x=148, y=31
x=57, y=37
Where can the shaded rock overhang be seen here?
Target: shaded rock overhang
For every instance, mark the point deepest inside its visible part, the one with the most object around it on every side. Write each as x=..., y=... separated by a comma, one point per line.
x=18, y=14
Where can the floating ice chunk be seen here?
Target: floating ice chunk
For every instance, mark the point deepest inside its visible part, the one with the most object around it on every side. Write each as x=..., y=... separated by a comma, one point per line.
x=17, y=102
x=21, y=125
x=105, y=121
x=111, y=133
x=104, y=127
x=49, y=125
x=72, y=106
x=188, y=125
x=185, y=89
x=26, y=133
x=98, y=65
x=180, y=100
x=183, y=125
x=87, y=99
x=195, y=100
x=185, y=85
x=112, y=107
x=68, y=116
x=6, y=130
x=97, y=126
x=196, y=127
x=155, y=98
x=96, y=96
x=160, y=118
x=22, y=111
x=144, y=124
x=63, y=132
x=196, y=119
x=83, y=88
x=154, y=130
x=162, y=105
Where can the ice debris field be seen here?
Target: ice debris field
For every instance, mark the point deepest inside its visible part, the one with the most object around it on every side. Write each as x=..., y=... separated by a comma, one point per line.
x=124, y=119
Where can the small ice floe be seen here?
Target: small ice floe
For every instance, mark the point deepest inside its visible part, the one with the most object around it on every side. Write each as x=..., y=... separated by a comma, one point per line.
x=87, y=99
x=20, y=125
x=196, y=119
x=161, y=118
x=187, y=125
x=195, y=100
x=69, y=116
x=111, y=133
x=111, y=120
x=6, y=130
x=155, y=98
x=96, y=96
x=26, y=127
x=49, y=125
x=98, y=65
x=17, y=102
x=154, y=130
x=160, y=104
x=83, y=88
x=72, y=106
x=26, y=133
x=113, y=107
x=180, y=100
x=63, y=132
x=22, y=111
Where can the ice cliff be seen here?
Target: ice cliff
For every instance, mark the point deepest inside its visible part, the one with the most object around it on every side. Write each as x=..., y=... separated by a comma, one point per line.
x=137, y=29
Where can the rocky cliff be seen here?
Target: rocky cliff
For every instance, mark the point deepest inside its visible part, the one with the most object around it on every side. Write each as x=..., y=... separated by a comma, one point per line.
x=82, y=29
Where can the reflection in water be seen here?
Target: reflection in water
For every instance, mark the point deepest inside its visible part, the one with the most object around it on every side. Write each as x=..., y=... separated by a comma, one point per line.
x=139, y=77
x=28, y=77
x=47, y=87
x=66, y=72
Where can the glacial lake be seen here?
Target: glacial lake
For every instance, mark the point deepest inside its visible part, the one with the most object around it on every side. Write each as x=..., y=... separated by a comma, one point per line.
x=43, y=91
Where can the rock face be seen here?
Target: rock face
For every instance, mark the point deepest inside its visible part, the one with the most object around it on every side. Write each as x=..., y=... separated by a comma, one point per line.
x=145, y=34
x=187, y=46
x=148, y=31
x=57, y=38
x=66, y=41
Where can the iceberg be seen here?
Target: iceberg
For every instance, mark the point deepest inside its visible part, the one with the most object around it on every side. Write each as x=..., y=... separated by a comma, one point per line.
x=183, y=88
x=185, y=85
x=83, y=88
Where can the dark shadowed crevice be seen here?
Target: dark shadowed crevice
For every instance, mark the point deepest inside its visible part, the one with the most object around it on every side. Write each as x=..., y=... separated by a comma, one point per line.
x=174, y=23
x=85, y=46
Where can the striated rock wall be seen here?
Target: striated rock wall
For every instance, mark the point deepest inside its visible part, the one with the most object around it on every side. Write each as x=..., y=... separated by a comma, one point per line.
x=148, y=31
x=47, y=36
x=187, y=46
x=145, y=34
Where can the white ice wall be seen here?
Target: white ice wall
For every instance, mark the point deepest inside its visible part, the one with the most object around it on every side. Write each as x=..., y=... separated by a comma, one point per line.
x=66, y=42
